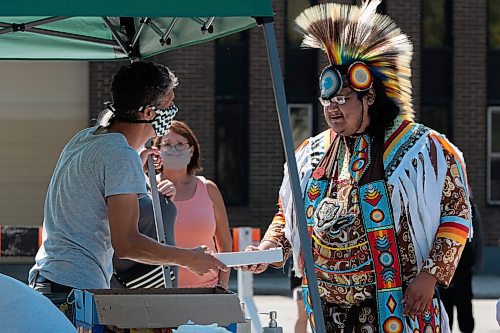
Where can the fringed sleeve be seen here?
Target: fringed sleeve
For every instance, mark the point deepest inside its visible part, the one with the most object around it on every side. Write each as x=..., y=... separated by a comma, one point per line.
x=455, y=221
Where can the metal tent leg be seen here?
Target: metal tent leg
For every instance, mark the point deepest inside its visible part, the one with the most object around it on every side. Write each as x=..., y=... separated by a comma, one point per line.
x=160, y=228
x=286, y=134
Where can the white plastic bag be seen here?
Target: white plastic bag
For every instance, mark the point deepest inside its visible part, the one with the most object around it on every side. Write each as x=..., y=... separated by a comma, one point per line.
x=498, y=312
x=191, y=328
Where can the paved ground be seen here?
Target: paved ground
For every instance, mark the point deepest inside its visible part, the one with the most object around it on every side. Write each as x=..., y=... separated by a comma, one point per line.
x=484, y=313
x=272, y=293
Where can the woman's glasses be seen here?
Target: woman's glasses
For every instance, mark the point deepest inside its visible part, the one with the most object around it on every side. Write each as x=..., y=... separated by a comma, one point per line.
x=179, y=146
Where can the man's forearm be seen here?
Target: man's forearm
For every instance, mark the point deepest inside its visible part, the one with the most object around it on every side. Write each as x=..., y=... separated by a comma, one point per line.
x=148, y=251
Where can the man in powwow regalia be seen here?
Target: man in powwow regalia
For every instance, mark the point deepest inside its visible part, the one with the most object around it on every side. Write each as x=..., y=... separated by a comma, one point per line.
x=386, y=199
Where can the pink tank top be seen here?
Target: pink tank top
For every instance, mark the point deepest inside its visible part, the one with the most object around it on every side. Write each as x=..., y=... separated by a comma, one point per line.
x=195, y=226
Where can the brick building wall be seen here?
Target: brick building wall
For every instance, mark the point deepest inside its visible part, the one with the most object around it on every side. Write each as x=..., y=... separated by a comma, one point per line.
x=100, y=77
x=403, y=13
x=266, y=151
x=470, y=105
x=194, y=96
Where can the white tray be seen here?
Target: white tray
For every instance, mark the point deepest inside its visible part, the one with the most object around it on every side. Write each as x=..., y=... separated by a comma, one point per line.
x=231, y=259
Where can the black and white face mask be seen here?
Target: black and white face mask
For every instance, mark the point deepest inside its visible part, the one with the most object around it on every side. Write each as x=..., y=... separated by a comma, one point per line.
x=163, y=119
x=161, y=123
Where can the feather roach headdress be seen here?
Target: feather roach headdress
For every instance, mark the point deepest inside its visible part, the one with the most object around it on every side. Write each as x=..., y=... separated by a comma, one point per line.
x=365, y=43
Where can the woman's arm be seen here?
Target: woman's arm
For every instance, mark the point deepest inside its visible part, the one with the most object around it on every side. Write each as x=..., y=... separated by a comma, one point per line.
x=222, y=235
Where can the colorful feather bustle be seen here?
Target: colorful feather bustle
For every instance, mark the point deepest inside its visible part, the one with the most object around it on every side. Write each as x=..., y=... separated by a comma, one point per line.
x=350, y=33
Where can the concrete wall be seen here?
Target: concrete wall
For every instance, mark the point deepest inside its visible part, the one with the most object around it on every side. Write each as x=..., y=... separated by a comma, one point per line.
x=42, y=105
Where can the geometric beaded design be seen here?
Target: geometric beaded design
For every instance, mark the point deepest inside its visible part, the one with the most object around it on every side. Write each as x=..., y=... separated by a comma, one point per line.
x=376, y=214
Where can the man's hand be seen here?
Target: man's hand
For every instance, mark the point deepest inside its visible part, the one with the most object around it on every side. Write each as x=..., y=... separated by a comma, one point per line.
x=419, y=294
x=257, y=268
x=201, y=260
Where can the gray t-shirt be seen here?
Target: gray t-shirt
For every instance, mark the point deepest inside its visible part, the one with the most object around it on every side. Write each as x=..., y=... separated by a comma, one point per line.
x=76, y=249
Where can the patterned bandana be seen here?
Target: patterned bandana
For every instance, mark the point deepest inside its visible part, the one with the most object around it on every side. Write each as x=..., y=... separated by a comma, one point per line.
x=161, y=123
x=163, y=119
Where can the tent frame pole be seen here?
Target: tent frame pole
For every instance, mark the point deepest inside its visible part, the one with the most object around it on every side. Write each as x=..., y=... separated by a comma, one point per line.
x=13, y=27
x=116, y=36
x=135, y=39
x=69, y=36
x=286, y=135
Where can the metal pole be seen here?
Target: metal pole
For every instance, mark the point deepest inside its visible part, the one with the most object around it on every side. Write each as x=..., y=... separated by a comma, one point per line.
x=165, y=38
x=138, y=33
x=245, y=282
x=116, y=36
x=286, y=134
x=160, y=229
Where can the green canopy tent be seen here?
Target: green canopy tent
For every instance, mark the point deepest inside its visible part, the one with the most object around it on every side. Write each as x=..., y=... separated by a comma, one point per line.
x=114, y=30
x=129, y=29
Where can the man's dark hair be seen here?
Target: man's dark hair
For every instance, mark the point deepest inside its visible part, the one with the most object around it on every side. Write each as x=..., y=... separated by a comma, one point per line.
x=382, y=112
x=139, y=84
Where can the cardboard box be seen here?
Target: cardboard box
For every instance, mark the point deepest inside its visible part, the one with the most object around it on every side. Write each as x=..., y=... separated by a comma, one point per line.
x=156, y=308
x=232, y=259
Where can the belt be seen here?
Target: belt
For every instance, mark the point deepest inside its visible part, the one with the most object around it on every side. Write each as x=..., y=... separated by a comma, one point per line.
x=54, y=286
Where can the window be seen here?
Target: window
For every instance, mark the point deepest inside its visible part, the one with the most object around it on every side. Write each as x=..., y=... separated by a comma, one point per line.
x=493, y=98
x=493, y=162
x=301, y=118
x=232, y=151
x=493, y=72
x=437, y=67
x=494, y=24
x=301, y=68
x=436, y=117
x=231, y=118
x=435, y=20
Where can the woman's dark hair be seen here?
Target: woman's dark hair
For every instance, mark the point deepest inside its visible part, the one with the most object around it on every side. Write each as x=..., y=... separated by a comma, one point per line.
x=382, y=112
x=139, y=84
x=184, y=130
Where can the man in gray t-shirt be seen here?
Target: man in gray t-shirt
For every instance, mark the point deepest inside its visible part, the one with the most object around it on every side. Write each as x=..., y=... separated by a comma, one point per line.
x=76, y=249
x=91, y=208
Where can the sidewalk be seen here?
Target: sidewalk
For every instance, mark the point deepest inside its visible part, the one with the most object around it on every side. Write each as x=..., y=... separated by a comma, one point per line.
x=484, y=313
x=486, y=286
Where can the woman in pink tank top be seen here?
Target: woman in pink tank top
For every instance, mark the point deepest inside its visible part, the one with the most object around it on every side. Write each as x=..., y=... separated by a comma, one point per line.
x=201, y=214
